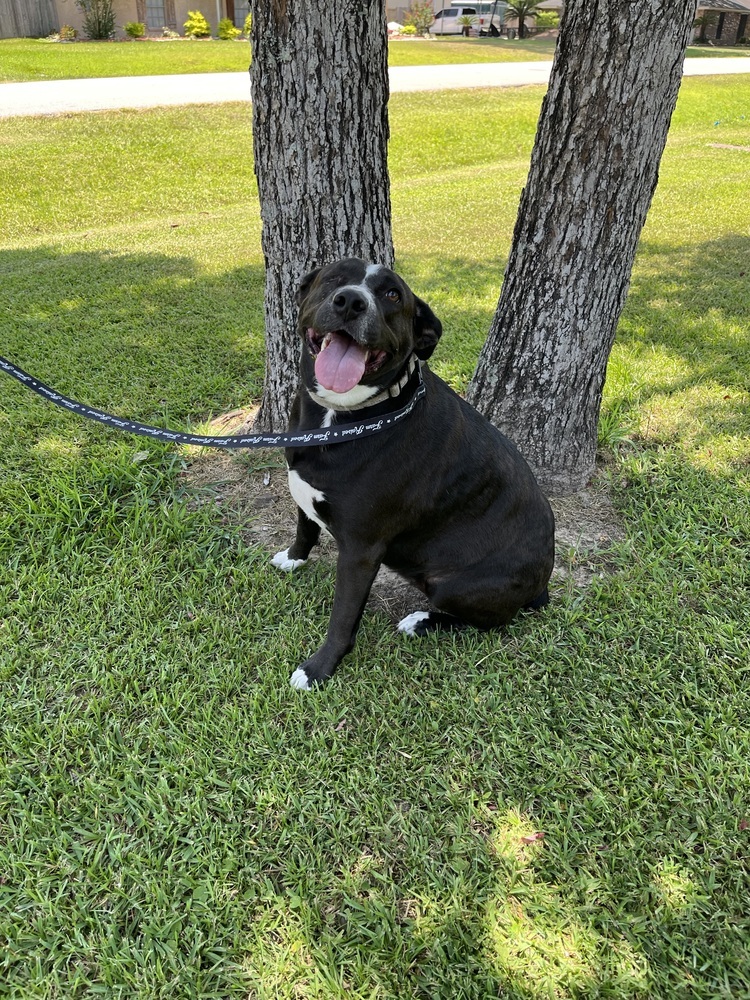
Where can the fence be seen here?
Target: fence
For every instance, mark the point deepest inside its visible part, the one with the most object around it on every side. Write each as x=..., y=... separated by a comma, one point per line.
x=27, y=18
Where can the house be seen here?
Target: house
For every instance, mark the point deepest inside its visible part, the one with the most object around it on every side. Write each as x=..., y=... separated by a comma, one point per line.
x=160, y=14
x=729, y=21
x=42, y=17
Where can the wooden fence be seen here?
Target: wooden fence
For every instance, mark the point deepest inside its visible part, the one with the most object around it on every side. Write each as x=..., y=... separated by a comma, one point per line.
x=27, y=18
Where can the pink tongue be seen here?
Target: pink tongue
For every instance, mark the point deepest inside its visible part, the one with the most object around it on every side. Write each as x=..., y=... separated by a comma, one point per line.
x=341, y=365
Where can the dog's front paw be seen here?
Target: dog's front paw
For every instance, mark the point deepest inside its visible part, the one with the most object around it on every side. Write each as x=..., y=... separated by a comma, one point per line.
x=303, y=680
x=300, y=680
x=283, y=562
x=313, y=672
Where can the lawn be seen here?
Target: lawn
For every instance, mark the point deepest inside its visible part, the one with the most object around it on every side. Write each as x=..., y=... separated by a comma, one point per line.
x=37, y=59
x=175, y=821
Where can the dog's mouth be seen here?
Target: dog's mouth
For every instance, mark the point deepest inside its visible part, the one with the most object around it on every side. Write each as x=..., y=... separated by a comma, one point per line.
x=340, y=362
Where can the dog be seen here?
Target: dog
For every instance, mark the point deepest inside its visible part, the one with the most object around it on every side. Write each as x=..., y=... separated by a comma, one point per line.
x=439, y=495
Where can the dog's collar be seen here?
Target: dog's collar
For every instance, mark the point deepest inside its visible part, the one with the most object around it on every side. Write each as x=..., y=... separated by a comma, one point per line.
x=390, y=392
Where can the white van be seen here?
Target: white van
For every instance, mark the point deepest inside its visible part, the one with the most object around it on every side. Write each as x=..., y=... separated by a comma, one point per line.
x=446, y=20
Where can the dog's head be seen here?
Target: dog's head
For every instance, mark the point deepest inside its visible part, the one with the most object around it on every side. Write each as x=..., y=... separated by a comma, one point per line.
x=361, y=322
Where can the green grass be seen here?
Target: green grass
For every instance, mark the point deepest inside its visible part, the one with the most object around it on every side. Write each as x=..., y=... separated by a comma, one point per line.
x=440, y=51
x=23, y=59
x=37, y=59
x=174, y=820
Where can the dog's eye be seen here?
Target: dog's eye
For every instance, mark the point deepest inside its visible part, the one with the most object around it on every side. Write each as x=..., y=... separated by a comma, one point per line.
x=393, y=295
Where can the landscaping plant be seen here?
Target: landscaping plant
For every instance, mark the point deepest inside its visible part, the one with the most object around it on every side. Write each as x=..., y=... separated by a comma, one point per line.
x=467, y=22
x=520, y=10
x=135, y=29
x=547, y=19
x=227, y=31
x=196, y=25
x=420, y=16
x=98, y=18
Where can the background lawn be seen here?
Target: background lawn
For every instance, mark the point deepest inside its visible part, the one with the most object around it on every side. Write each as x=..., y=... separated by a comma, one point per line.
x=37, y=59
x=175, y=821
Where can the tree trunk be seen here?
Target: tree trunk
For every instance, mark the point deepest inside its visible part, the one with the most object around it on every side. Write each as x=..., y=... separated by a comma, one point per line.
x=594, y=167
x=320, y=125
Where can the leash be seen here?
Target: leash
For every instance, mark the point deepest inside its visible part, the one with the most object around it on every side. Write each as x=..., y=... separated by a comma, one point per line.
x=337, y=434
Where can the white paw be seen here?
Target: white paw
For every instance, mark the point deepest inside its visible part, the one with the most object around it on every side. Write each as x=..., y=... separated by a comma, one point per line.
x=282, y=561
x=299, y=680
x=408, y=625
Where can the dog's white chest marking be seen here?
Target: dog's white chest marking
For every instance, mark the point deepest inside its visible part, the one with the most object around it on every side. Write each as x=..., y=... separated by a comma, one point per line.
x=351, y=398
x=305, y=496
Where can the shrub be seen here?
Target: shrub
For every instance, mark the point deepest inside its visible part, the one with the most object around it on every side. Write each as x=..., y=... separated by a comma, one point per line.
x=134, y=29
x=227, y=31
x=98, y=18
x=420, y=16
x=408, y=29
x=547, y=19
x=248, y=26
x=196, y=25
x=67, y=34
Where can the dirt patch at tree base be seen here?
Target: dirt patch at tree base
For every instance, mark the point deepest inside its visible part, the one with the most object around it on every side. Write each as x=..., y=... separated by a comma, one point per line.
x=250, y=488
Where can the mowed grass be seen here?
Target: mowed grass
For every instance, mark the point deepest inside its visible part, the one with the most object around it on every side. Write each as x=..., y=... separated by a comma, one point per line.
x=37, y=59
x=175, y=821
x=27, y=59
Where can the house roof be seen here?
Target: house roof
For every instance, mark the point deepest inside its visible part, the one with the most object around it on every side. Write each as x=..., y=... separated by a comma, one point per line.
x=741, y=5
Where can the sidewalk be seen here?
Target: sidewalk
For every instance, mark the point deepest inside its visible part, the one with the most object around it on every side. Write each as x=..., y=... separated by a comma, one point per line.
x=59, y=96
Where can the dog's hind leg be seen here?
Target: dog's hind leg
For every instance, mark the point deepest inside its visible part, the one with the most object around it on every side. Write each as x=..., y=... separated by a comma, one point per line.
x=308, y=533
x=420, y=623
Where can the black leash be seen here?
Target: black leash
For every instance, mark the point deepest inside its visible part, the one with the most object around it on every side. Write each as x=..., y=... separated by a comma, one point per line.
x=337, y=434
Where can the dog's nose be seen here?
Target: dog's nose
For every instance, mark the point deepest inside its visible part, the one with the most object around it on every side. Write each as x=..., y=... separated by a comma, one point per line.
x=348, y=302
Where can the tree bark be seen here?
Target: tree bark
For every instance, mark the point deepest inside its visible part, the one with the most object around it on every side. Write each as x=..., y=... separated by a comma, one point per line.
x=320, y=130
x=594, y=168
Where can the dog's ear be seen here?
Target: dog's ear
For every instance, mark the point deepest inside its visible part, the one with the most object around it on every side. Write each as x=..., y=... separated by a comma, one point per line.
x=427, y=329
x=305, y=285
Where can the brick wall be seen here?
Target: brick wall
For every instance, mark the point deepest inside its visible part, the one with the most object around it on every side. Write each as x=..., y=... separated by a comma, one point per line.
x=730, y=26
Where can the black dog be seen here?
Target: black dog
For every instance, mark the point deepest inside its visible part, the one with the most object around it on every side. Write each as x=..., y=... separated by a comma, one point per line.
x=441, y=497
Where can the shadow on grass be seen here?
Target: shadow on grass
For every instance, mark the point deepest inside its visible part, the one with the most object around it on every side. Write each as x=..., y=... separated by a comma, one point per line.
x=148, y=336
x=695, y=303
x=679, y=374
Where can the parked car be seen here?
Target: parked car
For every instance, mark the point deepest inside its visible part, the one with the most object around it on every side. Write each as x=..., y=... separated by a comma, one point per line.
x=446, y=20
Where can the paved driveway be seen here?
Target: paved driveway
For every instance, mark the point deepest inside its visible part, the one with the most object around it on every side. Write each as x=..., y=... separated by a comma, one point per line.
x=59, y=96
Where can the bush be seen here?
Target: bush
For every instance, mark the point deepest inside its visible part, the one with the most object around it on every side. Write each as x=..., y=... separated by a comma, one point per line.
x=196, y=25
x=98, y=18
x=419, y=16
x=408, y=29
x=227, y=31
x=248, y=26
x=134, y=29
x=547, y=19
x=67, y=34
